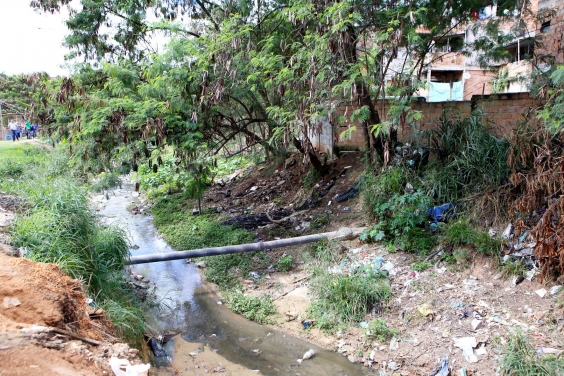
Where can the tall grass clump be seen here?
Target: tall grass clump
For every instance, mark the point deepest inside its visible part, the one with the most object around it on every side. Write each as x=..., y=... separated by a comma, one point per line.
x=520, y=358
x=471, y=158
x=341, y=300
x=60, y=227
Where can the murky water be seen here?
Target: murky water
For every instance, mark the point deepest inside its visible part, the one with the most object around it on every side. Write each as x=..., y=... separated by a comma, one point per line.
x=191, y=308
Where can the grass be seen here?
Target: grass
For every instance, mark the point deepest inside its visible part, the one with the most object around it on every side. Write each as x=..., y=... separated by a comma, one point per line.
x=285, y=263
x=256, y=308
x=60, y=227
x=378, y=329
x=420, y=266
x=520, y=358
x=107, y=181
x=341, y=300
x=182, y=230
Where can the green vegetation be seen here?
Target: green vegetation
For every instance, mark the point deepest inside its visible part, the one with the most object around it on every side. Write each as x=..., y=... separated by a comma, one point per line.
x=520, y=358
x=107, y=181
x=256, y=308
x=400, y=215
x=421, y=266
x=378, y=329
x=60, y=227
x=182, y=230
x=341, y=300
x=285, y=263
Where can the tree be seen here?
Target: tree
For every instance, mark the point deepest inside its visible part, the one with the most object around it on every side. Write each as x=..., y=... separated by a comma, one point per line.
x=266, y=73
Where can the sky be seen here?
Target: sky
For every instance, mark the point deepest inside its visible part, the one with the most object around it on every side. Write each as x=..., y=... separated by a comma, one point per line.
x=30, y=41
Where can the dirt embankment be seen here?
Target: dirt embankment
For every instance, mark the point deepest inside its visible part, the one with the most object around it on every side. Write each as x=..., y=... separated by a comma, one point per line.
x=433, y=311
x=39, y=303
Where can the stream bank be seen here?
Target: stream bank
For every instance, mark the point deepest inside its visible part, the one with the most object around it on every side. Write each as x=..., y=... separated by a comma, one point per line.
x=190, y=307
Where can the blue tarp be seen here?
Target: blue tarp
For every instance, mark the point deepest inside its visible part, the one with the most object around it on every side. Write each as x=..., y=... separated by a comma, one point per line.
x=441, y=91
x=456, y=91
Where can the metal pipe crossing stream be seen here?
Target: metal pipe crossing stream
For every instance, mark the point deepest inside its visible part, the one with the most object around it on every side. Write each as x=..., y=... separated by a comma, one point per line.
x=343, y=233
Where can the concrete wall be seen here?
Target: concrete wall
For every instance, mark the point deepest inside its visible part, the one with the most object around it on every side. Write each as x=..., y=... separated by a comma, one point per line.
x=504, y=110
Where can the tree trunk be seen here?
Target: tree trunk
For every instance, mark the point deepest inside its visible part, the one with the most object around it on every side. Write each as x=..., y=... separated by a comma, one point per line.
x=363, y=94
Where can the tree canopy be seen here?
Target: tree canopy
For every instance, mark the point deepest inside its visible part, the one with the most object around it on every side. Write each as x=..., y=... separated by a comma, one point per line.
x=252, y=73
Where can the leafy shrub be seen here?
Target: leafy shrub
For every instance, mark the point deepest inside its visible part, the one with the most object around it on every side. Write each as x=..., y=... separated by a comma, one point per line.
x=459, y=233
x=255, y=308
x=285, y=263
x=378, y=329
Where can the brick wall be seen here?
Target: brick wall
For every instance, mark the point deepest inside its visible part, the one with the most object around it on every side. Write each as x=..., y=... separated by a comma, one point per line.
x=553, y=40
x=504, y=110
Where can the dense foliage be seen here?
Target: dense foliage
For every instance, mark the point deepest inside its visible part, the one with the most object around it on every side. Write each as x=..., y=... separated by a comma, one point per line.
x=57, y=225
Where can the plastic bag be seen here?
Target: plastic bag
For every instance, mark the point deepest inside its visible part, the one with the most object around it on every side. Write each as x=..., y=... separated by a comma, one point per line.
x=118, y=364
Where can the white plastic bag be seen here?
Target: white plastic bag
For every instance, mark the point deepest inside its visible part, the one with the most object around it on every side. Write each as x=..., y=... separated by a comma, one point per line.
x=118, y=364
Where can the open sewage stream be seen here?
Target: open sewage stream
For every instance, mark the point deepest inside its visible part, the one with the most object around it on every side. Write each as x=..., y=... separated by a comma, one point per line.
x=188, y=306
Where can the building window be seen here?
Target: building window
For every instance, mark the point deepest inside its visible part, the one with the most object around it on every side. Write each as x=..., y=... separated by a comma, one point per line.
x=545, y=27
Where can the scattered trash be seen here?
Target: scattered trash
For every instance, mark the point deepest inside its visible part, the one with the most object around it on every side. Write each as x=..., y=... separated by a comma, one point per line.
x=329, y=203
x=392, y=365
x=556, y=289
x=442, y=212
x=501, y=321
x=309, y=354
x=549, y=350
x=442, y=369
x=508, y=232
x=254, y=275
x=363, y=325
x=201, y=264
x=455, y=304
x=195, y=212
x=308, y=323
x=426, y=310
x=492, y=233
x=156, y=347
x=253, y=189
x=467, y=344
x=476, y=324
x=530, y=274
x=135, y=246
x=346, y=208
x=394, y=344
x=462, y=372
x=481, y=350
x=11, y=302
x=518, y=280
x=352, y=192
x=122, y=367
x=541, y=292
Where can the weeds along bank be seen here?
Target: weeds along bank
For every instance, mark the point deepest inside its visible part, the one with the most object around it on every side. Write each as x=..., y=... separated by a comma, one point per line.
x=55, y=224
